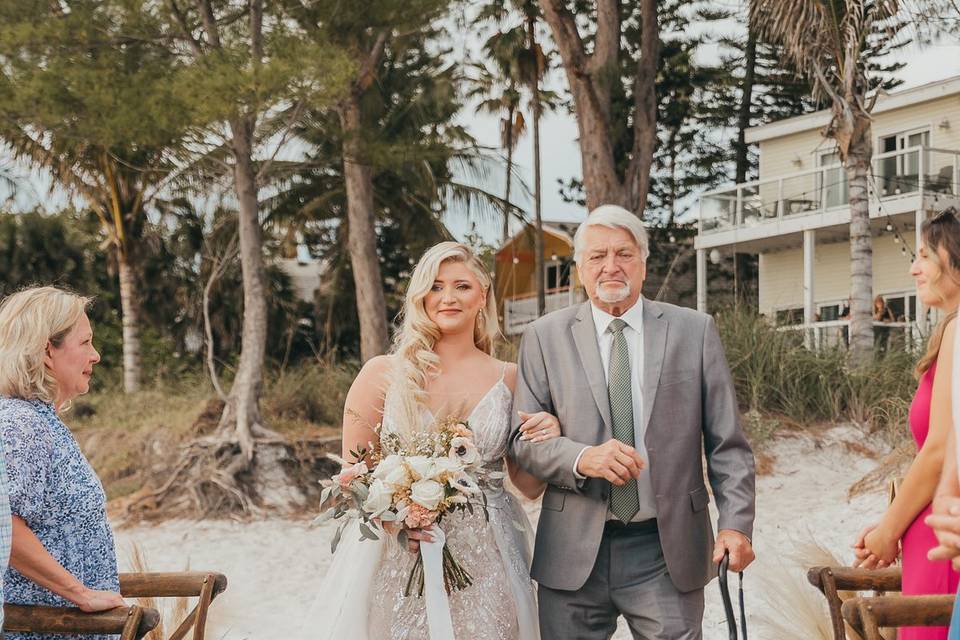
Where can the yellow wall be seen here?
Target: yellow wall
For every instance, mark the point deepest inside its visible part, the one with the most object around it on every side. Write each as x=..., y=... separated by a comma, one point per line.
x=517, y=280
x=781, y=273
x=777, y=155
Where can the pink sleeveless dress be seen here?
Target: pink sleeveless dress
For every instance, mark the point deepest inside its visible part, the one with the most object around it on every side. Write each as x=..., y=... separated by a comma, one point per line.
x=921, y=576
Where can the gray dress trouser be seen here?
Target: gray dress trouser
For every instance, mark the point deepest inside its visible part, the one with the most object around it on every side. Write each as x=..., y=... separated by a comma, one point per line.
x=630, y=579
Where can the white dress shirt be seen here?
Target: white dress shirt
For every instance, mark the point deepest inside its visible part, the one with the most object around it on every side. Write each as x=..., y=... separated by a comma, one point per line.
x=633, y=333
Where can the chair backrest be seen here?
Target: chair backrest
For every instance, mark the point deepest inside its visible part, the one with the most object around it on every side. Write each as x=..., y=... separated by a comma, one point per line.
x=831, y=581
x=130, y=623
x=866, y=616
x=202, y=585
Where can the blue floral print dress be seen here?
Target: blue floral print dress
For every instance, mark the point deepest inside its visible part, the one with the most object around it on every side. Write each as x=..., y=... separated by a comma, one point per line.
x=56, y=492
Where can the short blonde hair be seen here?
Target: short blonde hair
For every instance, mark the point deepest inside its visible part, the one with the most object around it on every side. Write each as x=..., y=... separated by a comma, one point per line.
x=29, y=320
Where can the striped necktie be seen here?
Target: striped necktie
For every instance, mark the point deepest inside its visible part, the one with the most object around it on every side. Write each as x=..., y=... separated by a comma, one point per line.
x=624, y=500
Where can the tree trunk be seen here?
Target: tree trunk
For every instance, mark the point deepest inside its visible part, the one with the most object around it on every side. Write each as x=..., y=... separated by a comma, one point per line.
x=506, y=197
x=741, y=157
x=362, y=235
x=130, y=308
x=538, y=265
x=645, y=110
x=243, y=403
x=585, y=75
x=861, y=252
x=590, y=77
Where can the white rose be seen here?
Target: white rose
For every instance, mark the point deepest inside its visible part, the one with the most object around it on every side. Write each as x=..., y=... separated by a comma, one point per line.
x=427, y=493
x=398, y=478
x=379, y=498
x=420, y=466
x=464, y=450
x=387, y=465
x=446, y=465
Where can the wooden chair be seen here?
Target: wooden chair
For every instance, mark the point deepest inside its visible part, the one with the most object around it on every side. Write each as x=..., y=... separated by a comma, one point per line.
x=204, y=586
x=832, y=580
x=132, y=623
x=867, y=615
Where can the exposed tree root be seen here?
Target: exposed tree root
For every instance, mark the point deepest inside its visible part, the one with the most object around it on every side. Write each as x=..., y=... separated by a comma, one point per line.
x=214, y=478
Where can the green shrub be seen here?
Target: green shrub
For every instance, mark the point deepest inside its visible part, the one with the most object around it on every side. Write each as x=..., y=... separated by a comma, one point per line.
x=775, y=374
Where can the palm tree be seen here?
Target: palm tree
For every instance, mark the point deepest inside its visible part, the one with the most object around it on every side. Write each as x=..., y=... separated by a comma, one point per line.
x=500, y=91
x=99, y=110
x=829, y=42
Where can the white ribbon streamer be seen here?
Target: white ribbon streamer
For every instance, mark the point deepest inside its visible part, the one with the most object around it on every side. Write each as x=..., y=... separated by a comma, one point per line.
x=434, y=591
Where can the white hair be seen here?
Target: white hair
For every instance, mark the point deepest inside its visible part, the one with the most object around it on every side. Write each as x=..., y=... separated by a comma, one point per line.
x=614, y=217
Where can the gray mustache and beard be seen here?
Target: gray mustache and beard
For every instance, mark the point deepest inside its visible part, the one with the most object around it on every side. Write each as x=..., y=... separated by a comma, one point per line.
x=611, y=293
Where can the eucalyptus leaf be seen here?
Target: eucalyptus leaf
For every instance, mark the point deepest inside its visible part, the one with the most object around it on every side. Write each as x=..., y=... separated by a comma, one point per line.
x=367, y=533
x=324, y=517
x=336, y=538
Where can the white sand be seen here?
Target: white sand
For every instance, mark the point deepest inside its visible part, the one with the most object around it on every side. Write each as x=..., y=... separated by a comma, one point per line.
x=274, y=566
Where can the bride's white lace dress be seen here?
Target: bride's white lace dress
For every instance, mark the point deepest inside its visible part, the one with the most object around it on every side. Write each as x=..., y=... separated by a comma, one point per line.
x=362, y=597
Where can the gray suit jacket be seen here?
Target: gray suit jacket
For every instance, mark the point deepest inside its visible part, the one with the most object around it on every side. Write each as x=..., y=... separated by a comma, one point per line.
x=689, y=408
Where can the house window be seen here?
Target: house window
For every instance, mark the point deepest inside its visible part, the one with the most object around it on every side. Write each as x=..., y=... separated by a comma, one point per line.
x=558, y=273
x=831, y=312
x=833, y=182
x=789, y=316
x=903, y=306
x=899, y=168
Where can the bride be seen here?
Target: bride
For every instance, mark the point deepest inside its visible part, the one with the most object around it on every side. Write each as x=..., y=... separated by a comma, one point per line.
x=441, y=365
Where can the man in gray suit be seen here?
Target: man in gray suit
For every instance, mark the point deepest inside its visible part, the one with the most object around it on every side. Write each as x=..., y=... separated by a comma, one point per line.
x=641, y=390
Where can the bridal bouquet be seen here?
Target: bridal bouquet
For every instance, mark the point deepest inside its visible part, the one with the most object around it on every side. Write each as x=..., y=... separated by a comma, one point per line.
x=432, y=473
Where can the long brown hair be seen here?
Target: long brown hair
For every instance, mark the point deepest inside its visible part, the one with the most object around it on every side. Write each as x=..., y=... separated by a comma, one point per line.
x=940, y=231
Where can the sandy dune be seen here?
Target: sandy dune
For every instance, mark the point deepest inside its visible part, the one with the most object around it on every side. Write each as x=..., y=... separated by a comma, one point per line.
x=274, y=566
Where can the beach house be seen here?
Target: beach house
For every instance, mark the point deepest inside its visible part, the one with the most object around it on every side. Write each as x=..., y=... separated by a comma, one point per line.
x=795, y=216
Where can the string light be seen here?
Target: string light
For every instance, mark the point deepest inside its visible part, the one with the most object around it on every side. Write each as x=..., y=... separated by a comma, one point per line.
x=891, y=224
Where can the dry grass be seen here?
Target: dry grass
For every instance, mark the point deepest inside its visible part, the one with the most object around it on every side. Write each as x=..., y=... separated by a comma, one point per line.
x=172, y=610
x=893, y=465
x=792, y=609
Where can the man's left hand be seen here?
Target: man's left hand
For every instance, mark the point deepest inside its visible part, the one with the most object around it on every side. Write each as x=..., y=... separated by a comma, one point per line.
x=741, y=551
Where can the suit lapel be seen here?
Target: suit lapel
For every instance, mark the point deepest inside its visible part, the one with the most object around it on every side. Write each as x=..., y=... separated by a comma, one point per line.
x=654, y=346
x=585, y=337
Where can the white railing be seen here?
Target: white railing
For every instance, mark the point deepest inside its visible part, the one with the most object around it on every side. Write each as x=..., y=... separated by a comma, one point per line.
x=521, y=311
x=907, y=172
x=836, y=333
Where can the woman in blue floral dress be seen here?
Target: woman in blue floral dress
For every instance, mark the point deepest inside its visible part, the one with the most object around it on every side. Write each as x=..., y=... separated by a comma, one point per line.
x=63, y=552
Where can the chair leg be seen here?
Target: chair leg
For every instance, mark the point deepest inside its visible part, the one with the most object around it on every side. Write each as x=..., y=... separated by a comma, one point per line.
x=833, y=602
x=198, y=617
x=206, y=597
x=871, y=630
x=132, y=626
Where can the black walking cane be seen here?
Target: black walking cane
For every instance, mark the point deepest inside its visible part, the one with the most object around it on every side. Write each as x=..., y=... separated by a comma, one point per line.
x=728, y=603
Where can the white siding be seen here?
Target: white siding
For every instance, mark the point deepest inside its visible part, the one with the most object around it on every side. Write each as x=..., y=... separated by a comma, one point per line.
x=781, y=155
x=781, y=273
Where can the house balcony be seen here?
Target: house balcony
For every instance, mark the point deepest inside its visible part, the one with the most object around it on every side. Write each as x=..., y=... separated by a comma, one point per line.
x=835, y=333
x=522, y=310
x=755, y=214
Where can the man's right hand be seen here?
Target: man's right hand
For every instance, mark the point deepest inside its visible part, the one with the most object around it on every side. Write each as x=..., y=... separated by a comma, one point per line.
x=613, y=461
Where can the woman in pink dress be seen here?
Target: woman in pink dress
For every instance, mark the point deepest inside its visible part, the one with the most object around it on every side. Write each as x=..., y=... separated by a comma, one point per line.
x=902, y=527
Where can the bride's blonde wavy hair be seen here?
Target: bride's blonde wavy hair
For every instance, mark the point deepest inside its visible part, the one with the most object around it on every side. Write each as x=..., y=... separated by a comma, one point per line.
x=414, y=359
